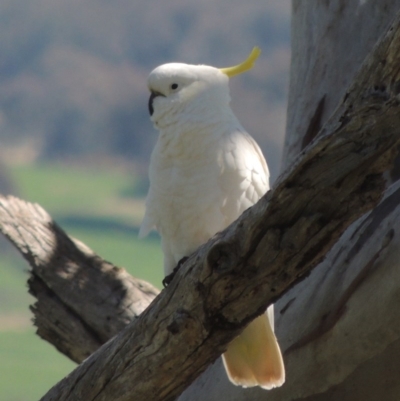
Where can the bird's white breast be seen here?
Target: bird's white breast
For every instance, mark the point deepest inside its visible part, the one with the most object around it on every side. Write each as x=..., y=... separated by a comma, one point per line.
x=185, y=196
x=200, y=181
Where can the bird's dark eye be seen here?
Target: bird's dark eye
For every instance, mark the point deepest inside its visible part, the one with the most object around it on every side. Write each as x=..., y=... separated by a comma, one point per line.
x=174, y=86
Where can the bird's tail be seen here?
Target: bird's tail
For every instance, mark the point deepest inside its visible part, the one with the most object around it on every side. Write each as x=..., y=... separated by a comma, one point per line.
x=254, y=357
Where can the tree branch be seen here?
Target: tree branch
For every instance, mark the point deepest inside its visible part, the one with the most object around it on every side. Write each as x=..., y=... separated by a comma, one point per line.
x=233, y=277
x=82, y=300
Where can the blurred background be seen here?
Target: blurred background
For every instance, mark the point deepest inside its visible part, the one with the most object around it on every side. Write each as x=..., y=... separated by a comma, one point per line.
x=75, y=133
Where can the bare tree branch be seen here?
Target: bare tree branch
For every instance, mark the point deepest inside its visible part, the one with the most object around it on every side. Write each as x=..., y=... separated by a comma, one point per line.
x=82, y=300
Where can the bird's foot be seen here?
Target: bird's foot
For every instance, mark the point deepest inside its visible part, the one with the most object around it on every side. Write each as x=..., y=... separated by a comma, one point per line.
x=167, y=279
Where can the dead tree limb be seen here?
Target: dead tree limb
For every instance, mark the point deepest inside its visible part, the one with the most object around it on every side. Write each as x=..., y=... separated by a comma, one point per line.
x=232, y=278
x=82, y=300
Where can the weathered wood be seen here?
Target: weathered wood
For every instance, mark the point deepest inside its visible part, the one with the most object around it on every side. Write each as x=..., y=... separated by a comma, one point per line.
x=330, y=40
x=353, y=324
x=232, y=278
x=82, y=300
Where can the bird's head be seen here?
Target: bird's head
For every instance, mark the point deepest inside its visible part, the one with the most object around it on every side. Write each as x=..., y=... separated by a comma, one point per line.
x=191, y=90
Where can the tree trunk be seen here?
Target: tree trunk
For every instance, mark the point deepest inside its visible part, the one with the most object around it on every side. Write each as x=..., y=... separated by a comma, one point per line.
x=339, y=329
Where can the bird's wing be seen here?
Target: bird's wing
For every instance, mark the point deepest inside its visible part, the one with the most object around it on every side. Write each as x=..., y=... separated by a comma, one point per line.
x=244, y=175
x=253, y=358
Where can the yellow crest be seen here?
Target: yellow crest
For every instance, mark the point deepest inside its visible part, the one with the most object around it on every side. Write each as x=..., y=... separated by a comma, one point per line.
x=248, y=64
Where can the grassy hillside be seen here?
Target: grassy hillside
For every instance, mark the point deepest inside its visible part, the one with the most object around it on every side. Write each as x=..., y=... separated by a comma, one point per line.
x=90, y=204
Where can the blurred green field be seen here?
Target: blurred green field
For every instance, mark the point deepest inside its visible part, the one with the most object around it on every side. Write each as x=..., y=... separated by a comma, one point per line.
x=29, y=366
x=91, y=204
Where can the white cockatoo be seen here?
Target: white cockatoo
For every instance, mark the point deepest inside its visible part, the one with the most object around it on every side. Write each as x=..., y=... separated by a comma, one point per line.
x=205, y=170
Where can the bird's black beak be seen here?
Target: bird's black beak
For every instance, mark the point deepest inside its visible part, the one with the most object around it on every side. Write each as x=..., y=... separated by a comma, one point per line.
x=152, y=97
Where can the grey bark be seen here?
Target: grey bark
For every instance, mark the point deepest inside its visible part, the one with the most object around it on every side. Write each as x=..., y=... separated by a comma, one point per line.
x=339, y=328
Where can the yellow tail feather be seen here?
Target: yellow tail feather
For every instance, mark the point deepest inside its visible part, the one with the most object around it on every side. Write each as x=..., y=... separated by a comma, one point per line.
x=254, y=357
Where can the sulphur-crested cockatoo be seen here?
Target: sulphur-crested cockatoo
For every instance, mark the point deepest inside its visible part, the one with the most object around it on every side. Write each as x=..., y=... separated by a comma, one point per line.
x=205, y=170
